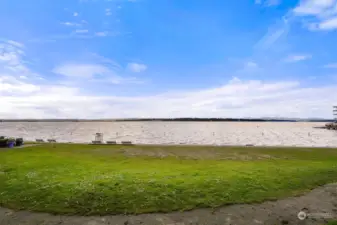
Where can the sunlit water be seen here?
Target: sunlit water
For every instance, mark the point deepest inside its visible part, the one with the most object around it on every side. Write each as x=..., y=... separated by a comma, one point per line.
x=202, y=133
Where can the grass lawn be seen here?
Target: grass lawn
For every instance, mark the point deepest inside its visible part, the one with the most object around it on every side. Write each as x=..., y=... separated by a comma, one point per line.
x=89, y=179
x=332, y=222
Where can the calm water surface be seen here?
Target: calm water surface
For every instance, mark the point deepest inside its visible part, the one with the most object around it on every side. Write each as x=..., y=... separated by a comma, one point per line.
x=213, y=133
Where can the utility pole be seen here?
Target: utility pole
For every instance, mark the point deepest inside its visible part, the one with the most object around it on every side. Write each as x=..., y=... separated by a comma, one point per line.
x=335, y=113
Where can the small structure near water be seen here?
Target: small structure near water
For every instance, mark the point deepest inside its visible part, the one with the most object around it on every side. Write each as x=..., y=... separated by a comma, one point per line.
x=99, y=141
x=98, y=138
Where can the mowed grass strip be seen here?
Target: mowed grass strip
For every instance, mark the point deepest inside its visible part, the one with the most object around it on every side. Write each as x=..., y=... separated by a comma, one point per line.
x=99, y=180
x=332, y=222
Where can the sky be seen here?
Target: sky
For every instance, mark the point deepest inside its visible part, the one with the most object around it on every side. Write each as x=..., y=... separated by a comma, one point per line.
x=95, y=59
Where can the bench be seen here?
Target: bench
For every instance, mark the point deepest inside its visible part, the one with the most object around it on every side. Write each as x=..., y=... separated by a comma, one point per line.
x=126, y=143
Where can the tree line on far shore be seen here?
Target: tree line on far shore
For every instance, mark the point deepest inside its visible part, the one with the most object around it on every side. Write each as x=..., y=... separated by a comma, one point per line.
x=170, y=120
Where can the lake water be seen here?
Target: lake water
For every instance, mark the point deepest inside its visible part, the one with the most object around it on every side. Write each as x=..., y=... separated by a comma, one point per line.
x=203, y=133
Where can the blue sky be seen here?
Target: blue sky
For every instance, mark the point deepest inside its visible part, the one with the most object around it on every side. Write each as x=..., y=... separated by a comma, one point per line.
x=167, y=58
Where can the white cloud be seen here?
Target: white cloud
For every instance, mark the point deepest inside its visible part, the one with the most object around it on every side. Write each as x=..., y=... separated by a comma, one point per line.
x=30, y=98
x=237, y=98
x=314, y=7
x=105, y=34
x=329, y=24
x=297, y=58
x=76, y=34
x=70, y=24
x=136, y=67
x=331, y=65
x=101, y=34
x=273, y=2
x=323, y=12
x=108, y=12
x=10, y=85
x=251, y=65
x=81, y=31
x=75, y=14
x=81, y=70
x=273, y=35
x=15, y=43
x=105, y=72
x=8, y=57
x=12, y=58
x=268, y=3
x=247, y=67
x=13, y=70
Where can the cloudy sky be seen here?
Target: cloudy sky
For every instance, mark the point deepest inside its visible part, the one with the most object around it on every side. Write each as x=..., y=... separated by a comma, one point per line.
x=167, y=58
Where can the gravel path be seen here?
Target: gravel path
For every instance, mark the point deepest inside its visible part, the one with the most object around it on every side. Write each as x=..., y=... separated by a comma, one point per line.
x=321, y=205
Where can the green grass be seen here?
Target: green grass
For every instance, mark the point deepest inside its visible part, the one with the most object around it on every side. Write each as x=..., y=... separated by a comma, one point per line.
x=99, y=180
x=332, y=222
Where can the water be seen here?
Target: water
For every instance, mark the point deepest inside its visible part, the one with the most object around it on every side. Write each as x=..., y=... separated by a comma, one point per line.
x=202, y=133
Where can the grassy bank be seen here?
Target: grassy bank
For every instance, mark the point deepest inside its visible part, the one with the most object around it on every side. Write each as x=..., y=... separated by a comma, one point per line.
x=332, y=222
x=88, y=179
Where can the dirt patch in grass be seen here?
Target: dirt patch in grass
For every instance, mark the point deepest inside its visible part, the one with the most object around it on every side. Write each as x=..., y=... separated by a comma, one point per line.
x=190, y=154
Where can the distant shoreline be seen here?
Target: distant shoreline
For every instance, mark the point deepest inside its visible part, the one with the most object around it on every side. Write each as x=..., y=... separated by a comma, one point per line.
x=168, y=120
